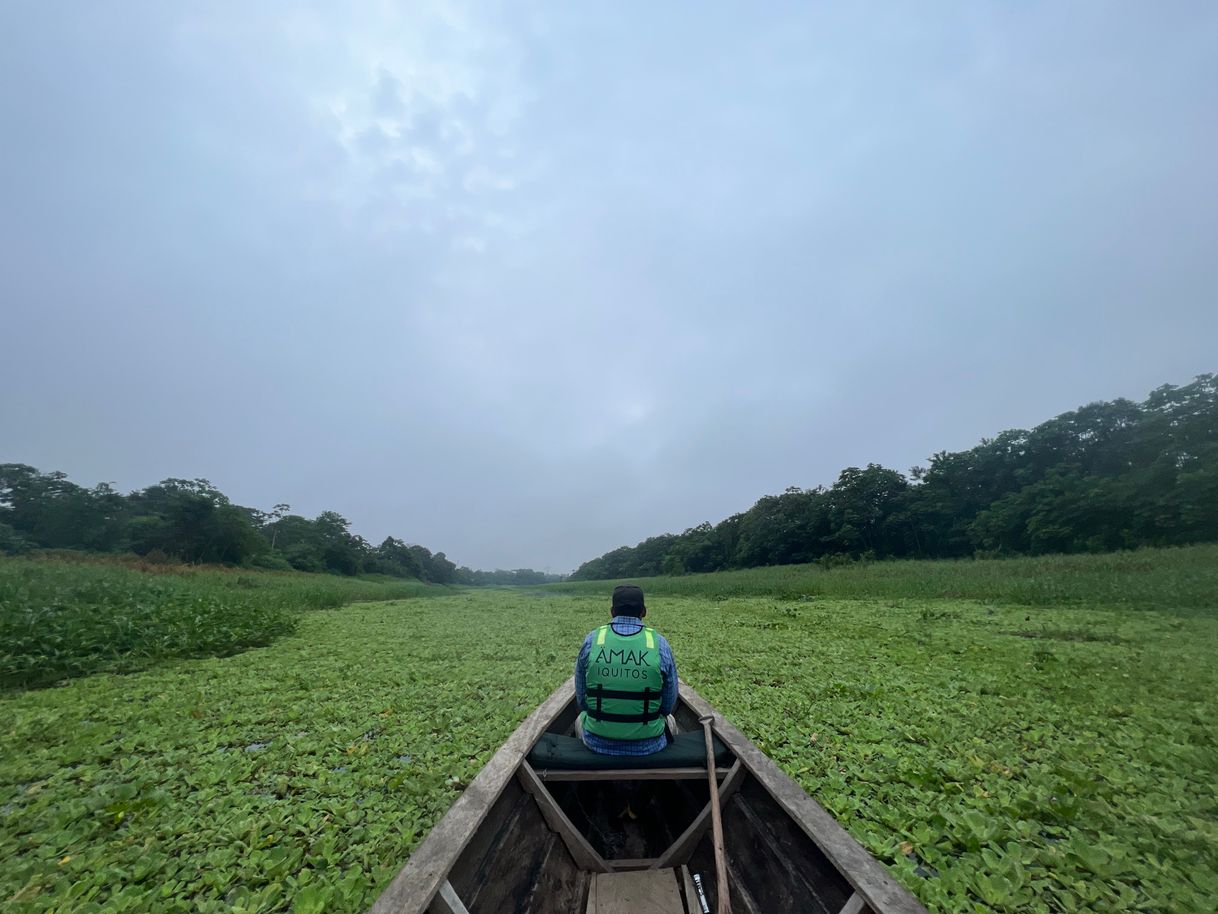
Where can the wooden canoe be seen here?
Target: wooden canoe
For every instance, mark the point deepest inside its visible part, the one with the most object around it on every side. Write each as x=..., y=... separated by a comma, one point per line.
x=532, y=839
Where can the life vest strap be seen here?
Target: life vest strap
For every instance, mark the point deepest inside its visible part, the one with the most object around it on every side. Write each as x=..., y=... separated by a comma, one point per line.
x=599, y=693
x=607, y=717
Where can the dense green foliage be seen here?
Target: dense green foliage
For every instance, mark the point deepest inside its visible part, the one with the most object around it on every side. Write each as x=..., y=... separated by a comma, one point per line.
x=1182, y=579
x=997, y=756
x=501, y=578
x=1114, y=475
x=60, y=619
x=190, y=520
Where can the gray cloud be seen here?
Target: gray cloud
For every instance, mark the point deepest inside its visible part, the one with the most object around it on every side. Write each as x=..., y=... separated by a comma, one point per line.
x=527, y=284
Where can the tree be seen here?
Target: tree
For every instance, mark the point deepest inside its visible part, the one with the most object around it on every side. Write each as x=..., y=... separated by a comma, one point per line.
x=192, y=520
x=1107, y=475
x=397, y=559
x=867, y=512
x=341, y=552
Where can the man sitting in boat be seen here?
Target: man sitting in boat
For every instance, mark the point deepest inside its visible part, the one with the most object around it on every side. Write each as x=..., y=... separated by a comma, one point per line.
x=625, y=681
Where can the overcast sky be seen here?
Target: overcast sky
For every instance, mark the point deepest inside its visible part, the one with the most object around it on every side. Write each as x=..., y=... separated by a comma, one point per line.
x=525, y=283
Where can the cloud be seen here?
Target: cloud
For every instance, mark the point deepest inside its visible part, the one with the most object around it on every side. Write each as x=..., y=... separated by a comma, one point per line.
x=526, y=283
x=387, y=96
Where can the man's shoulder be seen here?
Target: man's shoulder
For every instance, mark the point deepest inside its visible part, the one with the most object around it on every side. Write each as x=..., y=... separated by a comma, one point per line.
x=663, y=643
x=660, y=636
x=592, y=634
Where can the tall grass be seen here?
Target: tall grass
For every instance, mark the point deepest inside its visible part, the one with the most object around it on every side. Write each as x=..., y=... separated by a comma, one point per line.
x=64, y=619
x=1184, y=579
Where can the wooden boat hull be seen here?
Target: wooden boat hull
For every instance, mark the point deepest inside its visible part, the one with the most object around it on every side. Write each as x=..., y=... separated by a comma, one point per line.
x=536, y=841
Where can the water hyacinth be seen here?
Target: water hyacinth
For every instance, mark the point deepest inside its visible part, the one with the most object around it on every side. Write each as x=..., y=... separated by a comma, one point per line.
x=996, y=755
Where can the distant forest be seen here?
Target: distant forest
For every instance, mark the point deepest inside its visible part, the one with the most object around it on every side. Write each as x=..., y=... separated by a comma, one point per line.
x=189, y=520
x=1106, y=476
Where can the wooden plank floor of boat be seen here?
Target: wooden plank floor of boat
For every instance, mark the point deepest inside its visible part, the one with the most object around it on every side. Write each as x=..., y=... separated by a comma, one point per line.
x=637, y=892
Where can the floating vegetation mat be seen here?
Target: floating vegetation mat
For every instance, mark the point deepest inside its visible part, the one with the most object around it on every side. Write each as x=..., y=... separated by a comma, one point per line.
x=997, y=757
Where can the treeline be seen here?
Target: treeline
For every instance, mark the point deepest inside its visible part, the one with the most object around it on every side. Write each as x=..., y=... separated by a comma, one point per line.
x=515, y=577
x=1110, y=475
x=189, y=520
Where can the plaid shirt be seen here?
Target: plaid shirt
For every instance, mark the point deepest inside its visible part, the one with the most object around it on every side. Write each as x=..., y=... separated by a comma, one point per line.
x=628, y=625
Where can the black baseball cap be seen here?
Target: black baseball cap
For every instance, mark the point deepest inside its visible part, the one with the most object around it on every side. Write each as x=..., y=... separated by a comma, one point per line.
x=627, y=597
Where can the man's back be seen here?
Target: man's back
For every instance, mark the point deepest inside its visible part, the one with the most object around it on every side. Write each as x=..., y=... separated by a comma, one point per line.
x=625, y=681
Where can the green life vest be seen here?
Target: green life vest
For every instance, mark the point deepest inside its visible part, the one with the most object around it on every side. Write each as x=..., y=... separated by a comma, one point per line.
x=624, y=685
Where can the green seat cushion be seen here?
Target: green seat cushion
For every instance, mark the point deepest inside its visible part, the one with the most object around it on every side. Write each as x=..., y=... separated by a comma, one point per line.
x=688, y=750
